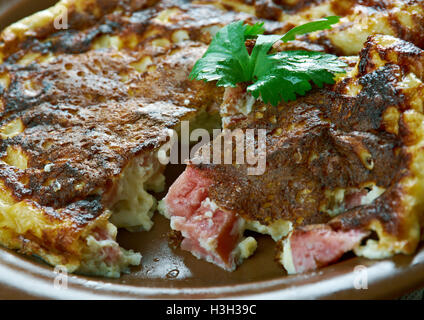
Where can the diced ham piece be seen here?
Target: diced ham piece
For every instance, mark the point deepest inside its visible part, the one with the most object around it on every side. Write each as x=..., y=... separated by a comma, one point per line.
x=354, y=199
x=312, y=247
x=112, y=252
x=209, y=232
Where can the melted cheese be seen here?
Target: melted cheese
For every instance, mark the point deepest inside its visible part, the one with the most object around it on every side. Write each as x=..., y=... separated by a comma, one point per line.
x=276, y=230
x=134, y=206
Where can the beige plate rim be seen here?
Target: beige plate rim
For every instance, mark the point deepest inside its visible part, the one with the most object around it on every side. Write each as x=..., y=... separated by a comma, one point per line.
x=386, y=279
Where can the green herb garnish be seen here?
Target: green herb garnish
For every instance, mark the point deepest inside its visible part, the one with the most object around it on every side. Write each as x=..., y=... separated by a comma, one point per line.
x=254, y=30
x=273, y=77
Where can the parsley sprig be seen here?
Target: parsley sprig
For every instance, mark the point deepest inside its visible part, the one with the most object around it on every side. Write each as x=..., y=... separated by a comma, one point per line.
x=272, y=76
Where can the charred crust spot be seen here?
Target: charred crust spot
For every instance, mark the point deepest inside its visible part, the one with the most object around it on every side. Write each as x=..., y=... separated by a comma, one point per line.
x=267, y=9
x=271, y=9
x=83, y=211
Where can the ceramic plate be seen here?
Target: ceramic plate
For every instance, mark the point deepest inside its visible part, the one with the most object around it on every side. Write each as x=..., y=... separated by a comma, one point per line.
x=174, y=274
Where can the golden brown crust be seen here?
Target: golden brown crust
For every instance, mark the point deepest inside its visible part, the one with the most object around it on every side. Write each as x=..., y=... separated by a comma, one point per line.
x=360, y=18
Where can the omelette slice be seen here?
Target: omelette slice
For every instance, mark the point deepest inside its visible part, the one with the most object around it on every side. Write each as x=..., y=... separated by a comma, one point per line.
x=83, y=113
x=344, y=170
x=212, y=205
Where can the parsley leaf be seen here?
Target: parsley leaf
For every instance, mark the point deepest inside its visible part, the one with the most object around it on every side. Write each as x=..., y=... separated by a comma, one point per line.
x=320, y=24
x=253, y=31
x=291, y=74
x=273, y=77
x=226, y=60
